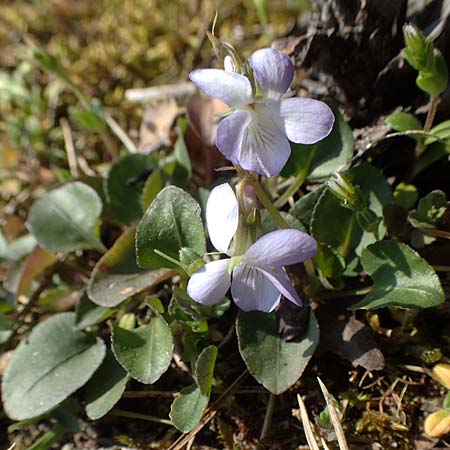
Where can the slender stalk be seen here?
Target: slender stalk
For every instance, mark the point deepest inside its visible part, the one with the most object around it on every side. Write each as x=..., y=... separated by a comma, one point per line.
x=135, y=415
x=297, y=183
x=291, y=190
x=268, y=417
x=420, y=147
x=264, y=199
x=343, y=294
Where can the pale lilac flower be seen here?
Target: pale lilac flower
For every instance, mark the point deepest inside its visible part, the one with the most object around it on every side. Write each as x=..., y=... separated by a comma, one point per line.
x=258, y=277
x=256, y=136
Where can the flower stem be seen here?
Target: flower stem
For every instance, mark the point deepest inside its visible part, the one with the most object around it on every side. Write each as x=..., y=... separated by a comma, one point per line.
x=268, y=417
x=343, y=294
x=420, y=147
x=134, y=415
x=264, y=199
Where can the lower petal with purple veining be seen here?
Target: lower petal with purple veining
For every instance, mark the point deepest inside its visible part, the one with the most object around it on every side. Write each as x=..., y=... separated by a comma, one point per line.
x=230, y=134
x=252, y=291
x=265, y=147
x=280, y=279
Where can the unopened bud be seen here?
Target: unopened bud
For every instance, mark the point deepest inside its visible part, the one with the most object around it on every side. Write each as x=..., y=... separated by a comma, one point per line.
x=349, y=194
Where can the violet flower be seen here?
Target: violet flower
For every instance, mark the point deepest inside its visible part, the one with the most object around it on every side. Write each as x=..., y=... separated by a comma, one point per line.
x=257, y=278
x=256, y=136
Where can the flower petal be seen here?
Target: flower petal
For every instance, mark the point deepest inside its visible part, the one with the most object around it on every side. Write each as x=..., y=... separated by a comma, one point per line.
x=306, y=121
x=274, y=72
x=222, y=216
x=281, y=248
x=265, y=148
x=282, y=282
x=210, y=283
x=251, y=290
x=232, y=88
x=230, y=134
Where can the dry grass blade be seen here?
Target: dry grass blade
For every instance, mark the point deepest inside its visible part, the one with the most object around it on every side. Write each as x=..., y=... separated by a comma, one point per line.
x=334, y=417
x=307, y=425
x=120, y=133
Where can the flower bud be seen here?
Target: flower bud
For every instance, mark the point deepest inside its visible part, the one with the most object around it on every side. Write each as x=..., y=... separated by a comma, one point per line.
x=414, y=38
x=349, y=194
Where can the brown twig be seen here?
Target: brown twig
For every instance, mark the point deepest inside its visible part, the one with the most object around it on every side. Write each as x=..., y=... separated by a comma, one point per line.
x=70, y=148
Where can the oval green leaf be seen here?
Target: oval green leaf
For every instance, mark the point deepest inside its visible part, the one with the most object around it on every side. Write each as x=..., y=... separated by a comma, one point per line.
x=204, y=369
x=63, y=219
x=105, y=388
x=125, y=184
x=275, y=363
x=171, y=222
x=116, y=275
x=145, y=353
x=55, y=361
x=188, y=408
x=400, y=277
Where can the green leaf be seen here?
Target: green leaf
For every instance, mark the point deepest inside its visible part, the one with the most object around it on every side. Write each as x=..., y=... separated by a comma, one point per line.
x=446, y=403
x=49, y=438
x=63, y=219
x=187, y=409
x=333, y=224
x=328, y=214
x=152, y=187
x=145, y=353
x=335, y=151
x=400, y=276
x=275, y=363
x=55, y=361
x=17, y=249
x=441, y=131
x=116, y=275
x=171, y=222
x=434, y=80
x=268, y=223
x=125, y=183
x=405, y=195
x=105, y=388
x=6, y=327
x=303, y=208
x=183, y=169
x=299, y=161
x=403, y=121
x=433, y=154
x=88, y=120
x=429, y=210
x=88, y=313
x=331, y=266
x=204, y=369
